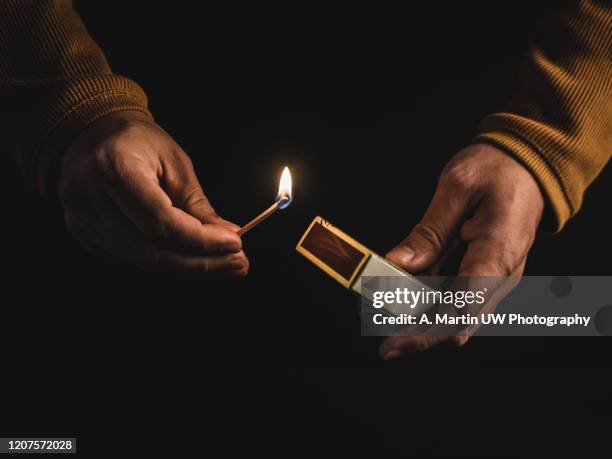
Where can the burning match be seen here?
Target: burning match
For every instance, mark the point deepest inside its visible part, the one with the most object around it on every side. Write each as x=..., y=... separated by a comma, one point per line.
x=283, y=199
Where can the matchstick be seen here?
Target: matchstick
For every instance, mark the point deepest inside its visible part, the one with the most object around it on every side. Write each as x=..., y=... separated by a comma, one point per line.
x=257, y=220
x=283, y=199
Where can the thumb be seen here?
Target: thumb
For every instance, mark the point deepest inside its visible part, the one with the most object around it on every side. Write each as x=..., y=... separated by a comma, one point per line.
x=187, y=193
x=199, y=206
x=429, y=239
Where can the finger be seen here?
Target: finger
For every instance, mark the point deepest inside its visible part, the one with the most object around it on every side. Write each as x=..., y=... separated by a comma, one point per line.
x=146, y=204
x=232, y=226
x=118, y=237
x=154, y=258
x=395, y=347
x=183, y=187
x=132, y=246
x=189, y=196
x=428, y=240
x=198, y=206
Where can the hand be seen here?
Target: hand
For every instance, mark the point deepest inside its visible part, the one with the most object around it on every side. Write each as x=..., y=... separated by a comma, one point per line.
x=486, y=200
x=129, y=191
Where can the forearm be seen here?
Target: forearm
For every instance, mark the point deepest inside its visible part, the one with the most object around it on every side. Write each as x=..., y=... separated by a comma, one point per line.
x=559, y=124
x=54, y=82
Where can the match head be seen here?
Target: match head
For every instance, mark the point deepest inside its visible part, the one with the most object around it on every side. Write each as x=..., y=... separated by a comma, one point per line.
x=284, y=196
x=284, y=200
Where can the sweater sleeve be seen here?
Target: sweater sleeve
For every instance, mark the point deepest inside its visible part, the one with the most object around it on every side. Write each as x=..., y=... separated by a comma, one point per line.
x=559, y=124
x=54, y=82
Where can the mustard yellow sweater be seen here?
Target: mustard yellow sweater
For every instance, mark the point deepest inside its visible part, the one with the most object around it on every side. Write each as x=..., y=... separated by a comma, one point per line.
x=55, y=80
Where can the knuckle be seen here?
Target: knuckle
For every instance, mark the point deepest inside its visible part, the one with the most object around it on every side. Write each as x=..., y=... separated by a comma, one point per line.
x=194, y=197
x=458, y=175
x=180, y=170
x=235, y=246
x=105, y=159
x=242, y=263
x=247, y=266
x=104, y=167
x=235, y=262
x=109, y=164
x=175, y=180
x=430, y=234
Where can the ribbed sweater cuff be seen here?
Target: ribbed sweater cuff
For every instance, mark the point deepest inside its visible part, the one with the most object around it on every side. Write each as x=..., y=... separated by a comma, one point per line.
x=67, y=118
x=538, y=165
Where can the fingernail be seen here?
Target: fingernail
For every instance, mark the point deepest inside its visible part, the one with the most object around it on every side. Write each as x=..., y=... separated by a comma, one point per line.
x=228, y=224
x=232, y=226
x=406, y=254
x=401, y=255
x=225, y=223
x=394, y=354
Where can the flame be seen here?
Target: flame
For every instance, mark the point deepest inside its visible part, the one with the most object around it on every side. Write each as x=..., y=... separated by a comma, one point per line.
x=284, y=196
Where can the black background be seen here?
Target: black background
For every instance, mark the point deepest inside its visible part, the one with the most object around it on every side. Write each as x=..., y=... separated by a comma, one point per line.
x=365, y=105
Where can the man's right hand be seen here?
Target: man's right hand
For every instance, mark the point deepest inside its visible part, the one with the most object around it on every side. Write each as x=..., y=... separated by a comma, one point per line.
x=129, y=191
